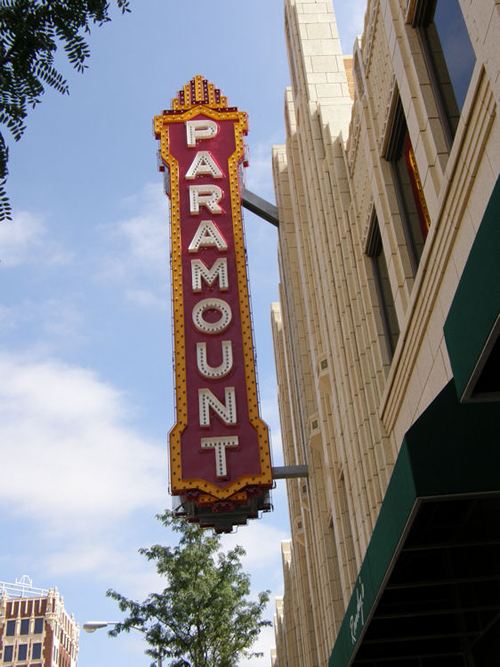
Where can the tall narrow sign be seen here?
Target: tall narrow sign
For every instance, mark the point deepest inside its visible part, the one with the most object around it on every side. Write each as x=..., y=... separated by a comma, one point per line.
x=219, y=447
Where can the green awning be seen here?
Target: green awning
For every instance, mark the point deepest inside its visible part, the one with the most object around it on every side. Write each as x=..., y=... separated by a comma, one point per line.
x=428, y=591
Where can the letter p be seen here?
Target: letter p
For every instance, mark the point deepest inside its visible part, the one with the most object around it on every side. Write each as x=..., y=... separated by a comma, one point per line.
x=200, y=129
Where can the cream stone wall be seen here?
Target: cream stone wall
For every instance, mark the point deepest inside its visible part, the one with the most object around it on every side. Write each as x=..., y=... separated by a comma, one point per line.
x=345, y=404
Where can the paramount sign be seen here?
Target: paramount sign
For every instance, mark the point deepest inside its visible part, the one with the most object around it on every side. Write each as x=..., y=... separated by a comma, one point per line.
x=220, y=463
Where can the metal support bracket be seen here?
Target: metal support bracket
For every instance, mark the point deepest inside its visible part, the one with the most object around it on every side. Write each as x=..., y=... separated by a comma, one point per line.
x=260, y=207
x=290, y=472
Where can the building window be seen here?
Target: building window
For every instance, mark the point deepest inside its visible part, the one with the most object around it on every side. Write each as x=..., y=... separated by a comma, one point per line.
x=449, y=53
x=38, y=629
x=409, y=189
x=8, y=653
x=22, y=651
x=375, y=251
x=11, y=628
x=25, y=626
x=36, y=651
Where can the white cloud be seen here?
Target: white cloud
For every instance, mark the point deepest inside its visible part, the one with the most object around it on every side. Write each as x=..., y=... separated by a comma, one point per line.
x=25, y=239
x=262, y=543
x=140, y=241
x=67, y=435
x=136, y=257
x=60, y=320
x=79, y=559
x=117, y=567
x=77, y=472
x=145, y=299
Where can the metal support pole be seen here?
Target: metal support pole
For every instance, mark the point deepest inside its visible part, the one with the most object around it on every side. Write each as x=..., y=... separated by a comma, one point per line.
x=290, y=472
x=260, y=207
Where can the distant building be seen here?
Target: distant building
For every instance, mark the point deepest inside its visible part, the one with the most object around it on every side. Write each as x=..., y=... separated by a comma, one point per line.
x=35, y=629
x=387, y=336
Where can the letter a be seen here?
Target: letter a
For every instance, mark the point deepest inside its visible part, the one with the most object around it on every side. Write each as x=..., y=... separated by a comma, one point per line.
x=203, y=165
x=207, y=236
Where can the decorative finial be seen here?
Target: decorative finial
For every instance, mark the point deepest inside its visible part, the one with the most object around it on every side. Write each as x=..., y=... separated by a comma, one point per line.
x=199, y=91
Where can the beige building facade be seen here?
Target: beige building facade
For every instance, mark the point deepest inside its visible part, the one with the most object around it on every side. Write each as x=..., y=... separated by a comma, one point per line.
x=386, y=336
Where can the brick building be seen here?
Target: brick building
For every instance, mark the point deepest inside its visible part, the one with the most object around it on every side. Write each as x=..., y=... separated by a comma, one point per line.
x=35, y=629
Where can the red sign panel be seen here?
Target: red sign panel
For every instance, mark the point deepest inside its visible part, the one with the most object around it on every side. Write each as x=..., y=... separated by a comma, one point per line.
x=219, y=446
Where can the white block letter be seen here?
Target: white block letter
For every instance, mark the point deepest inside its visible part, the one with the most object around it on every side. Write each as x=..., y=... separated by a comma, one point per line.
x=220, y=445
x=202, y=165
x=205, y=195
x=222, y=369
x=218, y=270
x=207, y=327
x=207, y=235
x=226, y=411
x=200, y=129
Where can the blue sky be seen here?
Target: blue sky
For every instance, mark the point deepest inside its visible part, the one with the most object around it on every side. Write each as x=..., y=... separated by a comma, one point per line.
x=85, y=337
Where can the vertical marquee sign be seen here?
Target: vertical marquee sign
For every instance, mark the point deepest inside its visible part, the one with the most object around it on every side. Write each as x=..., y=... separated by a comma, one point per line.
x=219, y=447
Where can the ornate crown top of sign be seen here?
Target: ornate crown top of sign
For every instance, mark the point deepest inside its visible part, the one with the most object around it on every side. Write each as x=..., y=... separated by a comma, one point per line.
x=199, y=91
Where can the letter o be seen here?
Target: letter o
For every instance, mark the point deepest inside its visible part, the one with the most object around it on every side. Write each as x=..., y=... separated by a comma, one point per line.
x=212, y=327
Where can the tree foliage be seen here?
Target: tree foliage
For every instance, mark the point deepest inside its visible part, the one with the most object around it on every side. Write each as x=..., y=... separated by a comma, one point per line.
x=203, y=618
x=30, y=33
